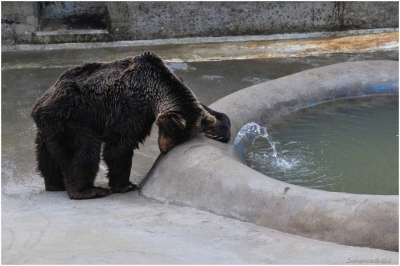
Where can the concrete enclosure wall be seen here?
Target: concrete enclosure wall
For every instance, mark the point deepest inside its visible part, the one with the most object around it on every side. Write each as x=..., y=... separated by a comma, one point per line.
x=19, y=22
x=148, y=20
x=161, y=20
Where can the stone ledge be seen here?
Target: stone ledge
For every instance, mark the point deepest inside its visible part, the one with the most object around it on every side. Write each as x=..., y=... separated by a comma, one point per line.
x=70, y=32
x=351, y=34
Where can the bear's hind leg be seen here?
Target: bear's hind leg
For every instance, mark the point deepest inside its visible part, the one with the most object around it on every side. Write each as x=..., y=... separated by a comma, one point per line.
x=79, y=158
x=79, y=183
x=53, y=177
x=118, y=158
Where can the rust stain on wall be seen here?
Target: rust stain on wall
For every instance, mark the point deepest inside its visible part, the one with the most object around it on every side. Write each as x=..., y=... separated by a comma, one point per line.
x=290, y=48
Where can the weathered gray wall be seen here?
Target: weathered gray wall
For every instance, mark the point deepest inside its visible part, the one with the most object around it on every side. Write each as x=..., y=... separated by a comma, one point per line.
x=19, y=22
x=160, y=20
x=148, y=20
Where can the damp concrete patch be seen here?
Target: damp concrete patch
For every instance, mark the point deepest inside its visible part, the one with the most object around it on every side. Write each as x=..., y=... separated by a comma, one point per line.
x=210, y=176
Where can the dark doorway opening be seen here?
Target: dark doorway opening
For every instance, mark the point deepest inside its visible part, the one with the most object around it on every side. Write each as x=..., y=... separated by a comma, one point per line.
x=63, y=16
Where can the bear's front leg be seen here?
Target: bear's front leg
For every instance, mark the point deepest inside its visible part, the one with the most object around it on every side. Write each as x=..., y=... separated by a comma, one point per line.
x=117, y=154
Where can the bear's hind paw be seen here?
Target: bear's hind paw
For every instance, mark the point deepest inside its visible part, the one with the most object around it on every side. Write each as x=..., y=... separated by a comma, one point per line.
x=90, y=193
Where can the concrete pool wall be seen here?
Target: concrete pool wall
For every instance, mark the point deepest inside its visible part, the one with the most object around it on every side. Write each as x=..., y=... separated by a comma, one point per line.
x=210, y=176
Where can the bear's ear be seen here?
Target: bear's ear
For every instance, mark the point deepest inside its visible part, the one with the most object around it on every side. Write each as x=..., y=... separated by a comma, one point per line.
x=208, y=121
x=171, y=121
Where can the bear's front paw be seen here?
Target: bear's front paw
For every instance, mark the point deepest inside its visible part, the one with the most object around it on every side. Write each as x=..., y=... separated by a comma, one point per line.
x=124, y=188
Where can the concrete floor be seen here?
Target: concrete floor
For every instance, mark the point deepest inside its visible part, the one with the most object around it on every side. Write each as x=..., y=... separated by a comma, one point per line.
x=40, y=227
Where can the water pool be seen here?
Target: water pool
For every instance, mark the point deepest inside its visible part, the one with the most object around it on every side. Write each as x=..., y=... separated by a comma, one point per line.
x=348, y=146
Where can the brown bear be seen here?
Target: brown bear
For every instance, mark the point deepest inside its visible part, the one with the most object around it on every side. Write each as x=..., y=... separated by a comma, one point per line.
x=114, y=104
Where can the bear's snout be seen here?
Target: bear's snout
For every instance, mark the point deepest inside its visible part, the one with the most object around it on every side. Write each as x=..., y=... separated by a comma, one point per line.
x=165, y=144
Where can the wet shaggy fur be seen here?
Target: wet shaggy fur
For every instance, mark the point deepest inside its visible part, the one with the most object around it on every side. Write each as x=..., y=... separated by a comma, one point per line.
x=114, y=104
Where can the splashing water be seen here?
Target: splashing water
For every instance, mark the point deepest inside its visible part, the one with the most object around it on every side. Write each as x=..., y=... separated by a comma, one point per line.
x=251, y=132
x=246, y=138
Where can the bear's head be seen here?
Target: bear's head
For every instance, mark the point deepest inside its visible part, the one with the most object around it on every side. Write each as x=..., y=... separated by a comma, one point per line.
x=179, y=126
x=179, y=115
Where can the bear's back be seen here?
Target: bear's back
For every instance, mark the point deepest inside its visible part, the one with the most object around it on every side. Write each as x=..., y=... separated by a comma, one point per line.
x=89, y=82
x=94, y=74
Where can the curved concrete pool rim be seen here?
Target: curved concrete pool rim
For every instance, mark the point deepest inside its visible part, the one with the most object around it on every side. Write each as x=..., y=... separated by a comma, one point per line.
x=210, y=176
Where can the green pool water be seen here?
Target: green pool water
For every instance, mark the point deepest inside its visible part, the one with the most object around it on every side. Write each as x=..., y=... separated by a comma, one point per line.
x=348, y=146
